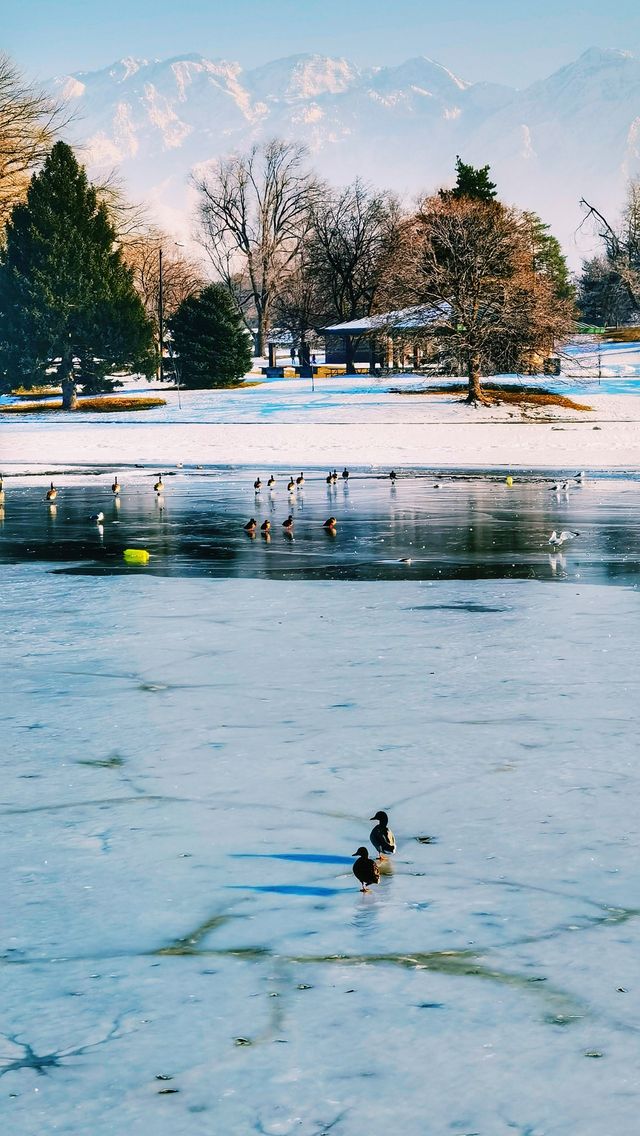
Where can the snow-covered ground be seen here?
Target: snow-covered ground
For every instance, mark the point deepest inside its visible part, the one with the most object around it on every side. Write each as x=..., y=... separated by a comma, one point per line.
x=187, y=766
x=285, y=424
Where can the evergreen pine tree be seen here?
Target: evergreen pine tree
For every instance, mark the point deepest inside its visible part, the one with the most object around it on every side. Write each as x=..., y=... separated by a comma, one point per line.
x=67, y=300
x=210, y=340
x=471, y=182
x=548, y=257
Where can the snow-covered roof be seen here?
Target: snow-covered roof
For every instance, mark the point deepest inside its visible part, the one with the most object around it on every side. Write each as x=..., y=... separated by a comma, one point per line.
x=405, y=319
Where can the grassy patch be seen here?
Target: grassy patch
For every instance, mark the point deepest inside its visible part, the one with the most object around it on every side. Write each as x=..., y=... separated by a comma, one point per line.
x=102, y=405
x=36, y=392
x=499, y=392
x=622, y=334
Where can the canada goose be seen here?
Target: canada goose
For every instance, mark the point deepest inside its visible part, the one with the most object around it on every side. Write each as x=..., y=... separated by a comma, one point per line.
x=300, y=481
x=382, y=837
x=345, y=474
x=257, y=485
x=334, y=477
x=365, y=869
x=159, y=485
x=271, y=482
x=265, y=527
x=392, y=475
x=1, y=488
x=251, y=525
x=288, y=524
x=329, y=478
x=291, y=485
x=97, y=517
x=115, y=488
x=52, y=493
x=330, y=523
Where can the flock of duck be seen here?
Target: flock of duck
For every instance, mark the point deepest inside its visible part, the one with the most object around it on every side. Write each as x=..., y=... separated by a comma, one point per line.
x=365, y=869
x=556, y=539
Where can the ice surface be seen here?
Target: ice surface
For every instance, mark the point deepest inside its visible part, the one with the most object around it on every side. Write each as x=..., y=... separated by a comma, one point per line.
x=187, y=766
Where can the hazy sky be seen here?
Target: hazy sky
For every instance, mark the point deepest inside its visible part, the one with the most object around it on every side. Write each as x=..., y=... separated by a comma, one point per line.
x=511, y=41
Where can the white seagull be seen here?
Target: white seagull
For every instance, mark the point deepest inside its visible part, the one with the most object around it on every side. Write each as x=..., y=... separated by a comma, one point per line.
x=556, y=539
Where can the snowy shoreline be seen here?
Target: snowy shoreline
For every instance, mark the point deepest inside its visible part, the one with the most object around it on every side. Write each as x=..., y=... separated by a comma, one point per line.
x=357, y=422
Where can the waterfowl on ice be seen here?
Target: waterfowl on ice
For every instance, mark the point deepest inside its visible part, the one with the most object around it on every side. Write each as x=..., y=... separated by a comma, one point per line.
x=329, y=478
x=52, y=493
x=330, y=523
x=382, y=837
x=159, y=485
x=288, y=524
x=345, y=474
x=271, y=482
x=115, y=488
x=300, y=481
x=251, y=525
x=97, y=518
x=334, y=477
x=265, y=527
x=257, y=485
x=392, y=475
x=556, y=539
x=365, y=869
x=291, y=485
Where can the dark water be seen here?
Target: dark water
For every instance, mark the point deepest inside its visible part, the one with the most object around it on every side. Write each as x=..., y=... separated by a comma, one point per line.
x=479, y=529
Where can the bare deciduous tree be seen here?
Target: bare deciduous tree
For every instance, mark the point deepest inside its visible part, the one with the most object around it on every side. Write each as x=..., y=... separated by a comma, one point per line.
x=29, y=123
x=253, y=213
x=475, y=264
x=355, y=239
x=622, y=244
x=180, y=276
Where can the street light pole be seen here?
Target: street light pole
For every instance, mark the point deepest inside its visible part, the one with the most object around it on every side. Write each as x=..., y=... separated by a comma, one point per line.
x=160, y=318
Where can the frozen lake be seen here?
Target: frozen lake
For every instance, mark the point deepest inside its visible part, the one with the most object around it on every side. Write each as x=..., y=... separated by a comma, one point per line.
x=192, y=751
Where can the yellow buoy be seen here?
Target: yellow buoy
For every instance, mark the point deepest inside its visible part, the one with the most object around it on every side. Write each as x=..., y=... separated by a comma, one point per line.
x=509, y=481
x=136, y=555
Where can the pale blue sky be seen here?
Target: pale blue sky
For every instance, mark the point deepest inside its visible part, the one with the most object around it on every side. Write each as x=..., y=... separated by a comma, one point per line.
x=510, y=41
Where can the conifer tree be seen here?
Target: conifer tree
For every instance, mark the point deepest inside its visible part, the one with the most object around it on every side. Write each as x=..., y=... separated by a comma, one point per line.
x=210, y=340
x=471, y=182
x=67, y=301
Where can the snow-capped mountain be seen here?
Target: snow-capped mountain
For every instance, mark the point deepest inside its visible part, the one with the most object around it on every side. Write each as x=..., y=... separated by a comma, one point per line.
x=574, y=134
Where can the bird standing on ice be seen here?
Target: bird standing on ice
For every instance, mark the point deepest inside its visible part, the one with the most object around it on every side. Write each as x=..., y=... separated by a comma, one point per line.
x=159, y=485
x=115, y=488
x=556, y=539
x=382, y=837
x=52, y=493
x=365, y=869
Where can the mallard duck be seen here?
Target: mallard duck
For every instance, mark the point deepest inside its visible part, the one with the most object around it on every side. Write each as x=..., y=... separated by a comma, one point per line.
x=382, y=837
x=288, y=524
x=257, y=485
x=52, y=493
x=251, y=525
x=115, y=488
x=265, y=527
x=159, y=485
x=365, y=869
x=300, y=481
x=271, y=482
x=291, y=485
x=345, y=474
x=330, y=523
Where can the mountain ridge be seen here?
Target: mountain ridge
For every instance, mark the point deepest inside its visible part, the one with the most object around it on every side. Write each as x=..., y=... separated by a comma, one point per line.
x=574, y=133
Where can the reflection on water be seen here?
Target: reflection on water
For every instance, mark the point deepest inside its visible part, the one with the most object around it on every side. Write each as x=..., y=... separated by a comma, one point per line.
x=416, y=529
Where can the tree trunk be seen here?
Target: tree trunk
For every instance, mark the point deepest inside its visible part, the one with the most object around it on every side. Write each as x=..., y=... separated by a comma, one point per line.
x=69, y=393
x=68, y=382
x=349, y=355
x=475, y=394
